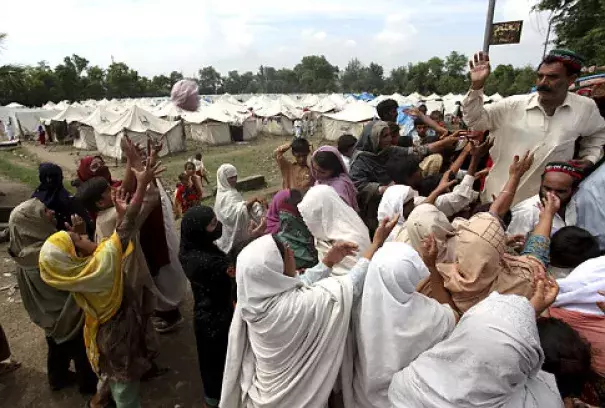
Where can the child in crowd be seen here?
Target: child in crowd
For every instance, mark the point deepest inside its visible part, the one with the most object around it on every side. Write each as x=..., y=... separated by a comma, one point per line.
x=346, y=147
x=200, y=169
x=185, y=196
x=295, y=174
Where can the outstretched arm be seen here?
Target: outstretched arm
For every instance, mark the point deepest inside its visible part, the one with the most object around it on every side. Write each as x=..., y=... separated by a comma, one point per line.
x=517, y=169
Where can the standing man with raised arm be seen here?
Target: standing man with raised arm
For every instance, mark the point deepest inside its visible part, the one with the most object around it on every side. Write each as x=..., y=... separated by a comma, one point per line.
x=547, y=122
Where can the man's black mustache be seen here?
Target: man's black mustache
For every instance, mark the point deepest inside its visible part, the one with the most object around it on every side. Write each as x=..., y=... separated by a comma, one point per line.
x=544, y=88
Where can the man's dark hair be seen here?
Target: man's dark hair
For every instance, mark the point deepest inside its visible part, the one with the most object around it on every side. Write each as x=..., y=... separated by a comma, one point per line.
x=91, y=191
x=400, y=170
x=570, y=246
x=418, y=122
x=329, y=161
x=346, y=142
x=198, y=156
x=429, y=184
x=385, y=107
x=569, y=69
x=566, y=355
x=301, y=146
x=295, y=198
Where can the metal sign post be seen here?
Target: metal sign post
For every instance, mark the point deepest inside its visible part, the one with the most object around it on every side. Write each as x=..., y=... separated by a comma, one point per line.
x=489, y=21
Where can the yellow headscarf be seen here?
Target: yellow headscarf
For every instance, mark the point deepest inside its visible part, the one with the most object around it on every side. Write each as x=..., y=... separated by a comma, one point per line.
x=96, y=282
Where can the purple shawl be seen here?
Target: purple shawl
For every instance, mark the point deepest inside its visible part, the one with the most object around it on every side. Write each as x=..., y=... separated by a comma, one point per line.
x=273, y=213
x=342, y=184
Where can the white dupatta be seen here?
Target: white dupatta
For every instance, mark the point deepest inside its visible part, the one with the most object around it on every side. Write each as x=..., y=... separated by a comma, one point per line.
x=395, y=324
x=330, y=219
x=493, y=358
x=286, y=341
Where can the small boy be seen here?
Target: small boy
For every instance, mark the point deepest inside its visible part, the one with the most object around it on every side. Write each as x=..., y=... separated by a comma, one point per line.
x=200, y=169
x=346, y=147
x=297, y=174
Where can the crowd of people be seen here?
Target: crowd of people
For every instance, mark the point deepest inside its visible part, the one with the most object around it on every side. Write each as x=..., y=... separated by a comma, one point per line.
x=435, y=269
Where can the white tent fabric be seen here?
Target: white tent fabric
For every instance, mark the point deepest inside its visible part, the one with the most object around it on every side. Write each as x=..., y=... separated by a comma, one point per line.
x=350, y=120
x=137, y=123
x=14, y=105
x=72, y=113
x=100, y=117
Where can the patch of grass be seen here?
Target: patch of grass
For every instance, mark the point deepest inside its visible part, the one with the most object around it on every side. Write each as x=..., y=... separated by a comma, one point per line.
x=20, y=165
x=16, y=168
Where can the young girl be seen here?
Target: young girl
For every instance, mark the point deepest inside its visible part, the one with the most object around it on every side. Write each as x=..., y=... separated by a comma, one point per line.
x=185, y=196
x=113, y=333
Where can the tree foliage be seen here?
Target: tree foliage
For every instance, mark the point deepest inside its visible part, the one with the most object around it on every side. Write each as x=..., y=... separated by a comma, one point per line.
x=579, y=25
x=75, y=79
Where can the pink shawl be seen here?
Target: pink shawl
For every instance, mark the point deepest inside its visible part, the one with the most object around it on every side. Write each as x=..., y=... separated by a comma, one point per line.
x=342, y=184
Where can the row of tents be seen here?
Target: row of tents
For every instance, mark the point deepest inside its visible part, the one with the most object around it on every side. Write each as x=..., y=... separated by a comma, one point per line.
x=100, y=125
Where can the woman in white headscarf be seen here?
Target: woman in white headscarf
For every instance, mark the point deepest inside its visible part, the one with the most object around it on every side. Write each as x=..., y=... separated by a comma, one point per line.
x=397, y=199
x=288, y=336
x=330, y=219
x=232, y=210
x=493, y=358
x=395, y=324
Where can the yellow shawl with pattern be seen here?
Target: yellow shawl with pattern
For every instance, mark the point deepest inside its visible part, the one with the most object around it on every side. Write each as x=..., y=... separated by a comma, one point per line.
x=97, y=282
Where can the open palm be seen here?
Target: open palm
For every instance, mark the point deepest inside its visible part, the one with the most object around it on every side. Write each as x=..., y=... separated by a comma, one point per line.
x=479, y=68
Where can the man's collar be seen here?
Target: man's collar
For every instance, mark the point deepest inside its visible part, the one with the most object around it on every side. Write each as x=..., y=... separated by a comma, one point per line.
x=534, y=102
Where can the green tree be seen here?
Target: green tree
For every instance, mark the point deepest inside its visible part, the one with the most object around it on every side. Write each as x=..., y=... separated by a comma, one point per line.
x=175, y=77
x=122, y=81
x=316, y=74
x=579, y=25
x=13, y=86
x=353, y=77
x=209, y=81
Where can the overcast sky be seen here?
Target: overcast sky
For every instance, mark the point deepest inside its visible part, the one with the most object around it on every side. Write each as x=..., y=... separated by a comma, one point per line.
x=158, y=36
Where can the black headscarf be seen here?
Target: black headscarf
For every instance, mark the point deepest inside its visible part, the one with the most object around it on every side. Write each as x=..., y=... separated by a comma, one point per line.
x=193, y=229
x=54, y=195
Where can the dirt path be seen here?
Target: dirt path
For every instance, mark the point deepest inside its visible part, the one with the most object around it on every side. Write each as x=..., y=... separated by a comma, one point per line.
x=67, y=159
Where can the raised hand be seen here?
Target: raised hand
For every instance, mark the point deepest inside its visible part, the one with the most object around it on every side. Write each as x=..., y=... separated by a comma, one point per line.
x=256, y=230
x=545, y=294
x=479, y=70
x=480, y=150
x=384, y=230
x=338, y=252
x=551, y=205
x=445, y=183
x=120, y=198
x=149, y=172
x=520, y=165
x=77, y=225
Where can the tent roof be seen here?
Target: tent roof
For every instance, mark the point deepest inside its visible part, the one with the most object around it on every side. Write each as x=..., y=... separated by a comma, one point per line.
x=71, y=114
x=355, y=112
x=136, y=119
x=100, y=117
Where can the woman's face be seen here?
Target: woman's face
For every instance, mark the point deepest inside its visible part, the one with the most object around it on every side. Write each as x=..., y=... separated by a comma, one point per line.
x=50, y=216
x=232, y=181
x=84, y=246
x=96, y=164
x=289, y=263
x=385, y=140
x=320, y=173
x=190, y=169
x=212, y=226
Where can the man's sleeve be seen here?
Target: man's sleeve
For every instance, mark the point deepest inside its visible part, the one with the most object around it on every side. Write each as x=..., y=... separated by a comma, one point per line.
x=480, y=117
x=591, y=145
